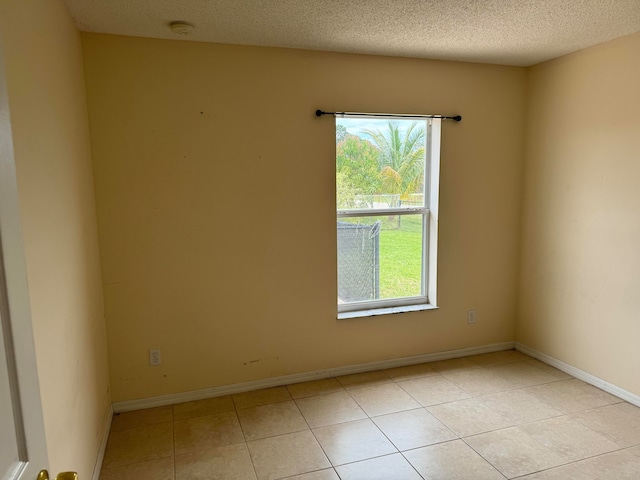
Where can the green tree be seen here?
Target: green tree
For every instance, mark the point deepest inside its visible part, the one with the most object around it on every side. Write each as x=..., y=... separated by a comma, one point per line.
x=345, y=192
x=341, y=133
x=357, y=169
x=401, y=157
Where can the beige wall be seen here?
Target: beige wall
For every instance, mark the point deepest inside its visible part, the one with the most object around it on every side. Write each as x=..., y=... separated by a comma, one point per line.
x=52, y=153
x=579, y=298
x=215, y=197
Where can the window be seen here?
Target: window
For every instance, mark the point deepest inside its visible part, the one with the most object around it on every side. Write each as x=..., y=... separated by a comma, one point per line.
x=387, y=173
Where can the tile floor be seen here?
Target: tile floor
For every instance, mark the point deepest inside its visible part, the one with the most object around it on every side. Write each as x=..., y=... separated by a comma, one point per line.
x=492, y=416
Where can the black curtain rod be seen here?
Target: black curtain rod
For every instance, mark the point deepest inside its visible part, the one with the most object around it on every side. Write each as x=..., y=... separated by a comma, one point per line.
x=320, y=113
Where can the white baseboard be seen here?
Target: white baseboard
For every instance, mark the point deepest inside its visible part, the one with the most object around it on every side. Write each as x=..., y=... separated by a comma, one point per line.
x=304, y=377
x=106, y=428
x=580, y=374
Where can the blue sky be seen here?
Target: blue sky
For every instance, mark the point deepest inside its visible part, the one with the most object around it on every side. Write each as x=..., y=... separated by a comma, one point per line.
x=356, y=126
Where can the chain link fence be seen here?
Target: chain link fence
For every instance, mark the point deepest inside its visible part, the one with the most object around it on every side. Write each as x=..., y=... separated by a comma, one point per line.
x=358, y=262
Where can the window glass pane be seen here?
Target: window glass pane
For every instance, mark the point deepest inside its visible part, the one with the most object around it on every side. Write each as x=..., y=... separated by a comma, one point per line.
x=380, y=163
x=379, y=257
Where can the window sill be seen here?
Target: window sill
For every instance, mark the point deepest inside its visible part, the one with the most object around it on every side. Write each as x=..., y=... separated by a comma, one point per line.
x=385, y=311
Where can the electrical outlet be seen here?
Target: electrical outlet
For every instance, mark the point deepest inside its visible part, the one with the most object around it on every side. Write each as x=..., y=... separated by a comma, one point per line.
x=154, y=357
x=471, y=317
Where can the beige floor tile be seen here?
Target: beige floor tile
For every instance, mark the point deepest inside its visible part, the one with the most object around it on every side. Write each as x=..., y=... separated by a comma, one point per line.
x=569, y=438
x=326, y=474
x=207, y=432
x=160, y=469
x=560, y=375
x=519, y=406
x=261, y=397
x=565, y=472
x=410, y=372
x=366, y=379
x=287, y=455
x=620, y=465
x=571, y=395
x=453, y=365
x=353, y=441
x=522, y=374
x=619, y=423
x=380, y=468
x=433, y=390
x=539, y=421
x=316, y=387
x=139, y=444
x=383, y=399
x=231, y=462
x=451, y=461
x=479, y=382
x=497, y=358
x=201, y=408
x=141, y=418
x=513, y=452
x=469, y=417
x=413, y=429
x=330, y=409
x=270, y=420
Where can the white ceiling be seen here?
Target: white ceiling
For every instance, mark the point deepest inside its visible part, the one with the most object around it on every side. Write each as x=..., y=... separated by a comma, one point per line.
x=508, y=32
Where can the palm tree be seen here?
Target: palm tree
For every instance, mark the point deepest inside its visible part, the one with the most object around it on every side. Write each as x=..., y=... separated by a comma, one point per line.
x=401, y=157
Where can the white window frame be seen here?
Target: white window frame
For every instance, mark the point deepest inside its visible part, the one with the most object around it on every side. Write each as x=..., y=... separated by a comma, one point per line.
x=427, y=299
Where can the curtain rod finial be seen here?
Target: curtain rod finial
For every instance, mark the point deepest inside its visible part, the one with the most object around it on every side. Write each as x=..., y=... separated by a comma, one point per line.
x=319, y=113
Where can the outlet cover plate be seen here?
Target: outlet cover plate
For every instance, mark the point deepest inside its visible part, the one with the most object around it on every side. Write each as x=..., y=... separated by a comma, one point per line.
x=154, y=357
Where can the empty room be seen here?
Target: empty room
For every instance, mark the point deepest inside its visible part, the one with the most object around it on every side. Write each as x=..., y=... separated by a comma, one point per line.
x=320, y=240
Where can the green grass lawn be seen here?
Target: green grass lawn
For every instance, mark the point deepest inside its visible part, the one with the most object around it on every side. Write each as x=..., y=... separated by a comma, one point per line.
x=400, y=256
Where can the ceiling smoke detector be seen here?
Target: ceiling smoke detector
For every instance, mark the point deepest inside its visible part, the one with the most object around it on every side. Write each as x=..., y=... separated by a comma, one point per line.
x=182, y=28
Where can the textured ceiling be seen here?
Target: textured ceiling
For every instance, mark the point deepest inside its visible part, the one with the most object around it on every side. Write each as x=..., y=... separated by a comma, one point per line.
x=508, y=32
